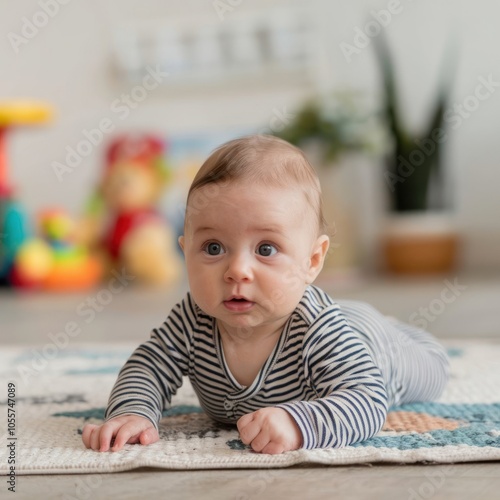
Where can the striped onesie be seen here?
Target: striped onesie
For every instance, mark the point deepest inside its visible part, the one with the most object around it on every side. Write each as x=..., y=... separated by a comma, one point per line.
x=336, y=369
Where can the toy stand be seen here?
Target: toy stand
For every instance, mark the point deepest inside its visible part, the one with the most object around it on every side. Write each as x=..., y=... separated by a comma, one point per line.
x=13, y=221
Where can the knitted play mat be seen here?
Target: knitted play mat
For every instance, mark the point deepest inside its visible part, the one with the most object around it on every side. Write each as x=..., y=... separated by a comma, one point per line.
x=50, y=392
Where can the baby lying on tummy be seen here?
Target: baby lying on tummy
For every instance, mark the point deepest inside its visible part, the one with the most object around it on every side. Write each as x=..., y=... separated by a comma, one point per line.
x=263, y=347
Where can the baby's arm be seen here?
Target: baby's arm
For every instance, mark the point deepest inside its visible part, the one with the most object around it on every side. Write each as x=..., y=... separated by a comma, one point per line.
x=146, y=384
x=351, y=403
x=130, y=429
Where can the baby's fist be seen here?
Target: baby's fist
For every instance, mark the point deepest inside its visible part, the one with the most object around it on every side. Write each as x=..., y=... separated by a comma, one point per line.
x=270, y=430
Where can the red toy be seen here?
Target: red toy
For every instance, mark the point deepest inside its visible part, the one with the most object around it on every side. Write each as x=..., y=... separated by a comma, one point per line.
x=136, y=235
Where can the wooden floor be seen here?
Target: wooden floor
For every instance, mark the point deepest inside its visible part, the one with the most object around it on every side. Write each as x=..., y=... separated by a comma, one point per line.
x=471, y=310
x=384, y=482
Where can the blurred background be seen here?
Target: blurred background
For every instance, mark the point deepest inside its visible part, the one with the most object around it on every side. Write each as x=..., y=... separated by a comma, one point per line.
x=107, y=110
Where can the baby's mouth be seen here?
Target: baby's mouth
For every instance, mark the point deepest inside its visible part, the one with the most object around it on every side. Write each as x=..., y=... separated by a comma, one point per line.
x=238, y=304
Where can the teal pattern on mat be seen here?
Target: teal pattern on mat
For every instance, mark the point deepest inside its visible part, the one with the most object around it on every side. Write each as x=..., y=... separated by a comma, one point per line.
x=98, y=413
x=455, y=352
x=78, y=354
x=237, y=444
x=104, y=370
x=479, y=426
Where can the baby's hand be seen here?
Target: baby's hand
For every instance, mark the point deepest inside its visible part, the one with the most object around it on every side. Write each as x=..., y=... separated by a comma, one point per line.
x=270, y=430
x=124, y=429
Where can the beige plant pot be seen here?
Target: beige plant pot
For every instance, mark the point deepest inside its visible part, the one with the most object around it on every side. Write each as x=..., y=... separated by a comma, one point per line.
x=420, y=243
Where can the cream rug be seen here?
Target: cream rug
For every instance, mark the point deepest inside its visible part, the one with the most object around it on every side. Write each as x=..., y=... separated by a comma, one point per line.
x=50, y=392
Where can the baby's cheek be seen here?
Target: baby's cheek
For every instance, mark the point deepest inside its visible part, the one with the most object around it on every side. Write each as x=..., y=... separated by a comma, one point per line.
x=203, y=294
x=286, y=290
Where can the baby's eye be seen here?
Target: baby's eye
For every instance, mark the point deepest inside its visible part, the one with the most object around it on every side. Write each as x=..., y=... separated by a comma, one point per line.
x=266, y=250
x=213, y=248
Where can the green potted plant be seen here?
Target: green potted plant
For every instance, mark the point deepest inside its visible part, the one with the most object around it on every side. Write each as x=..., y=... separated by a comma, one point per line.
x=328, y=127
x=419, y=236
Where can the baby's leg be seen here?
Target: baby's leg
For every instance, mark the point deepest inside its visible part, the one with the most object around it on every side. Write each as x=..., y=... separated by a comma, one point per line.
x=413, y=364
x=422, y=364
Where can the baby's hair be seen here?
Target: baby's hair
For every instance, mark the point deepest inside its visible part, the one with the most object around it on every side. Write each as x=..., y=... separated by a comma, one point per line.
x=264, y=159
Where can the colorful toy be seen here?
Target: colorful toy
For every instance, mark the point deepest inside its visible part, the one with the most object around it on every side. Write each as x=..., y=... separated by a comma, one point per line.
x=74, y=267
x=136, y=235
x=56, y=261
x=14, y=227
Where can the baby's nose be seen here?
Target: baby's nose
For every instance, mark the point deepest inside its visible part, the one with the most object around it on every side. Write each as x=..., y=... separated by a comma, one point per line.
x=239, y=268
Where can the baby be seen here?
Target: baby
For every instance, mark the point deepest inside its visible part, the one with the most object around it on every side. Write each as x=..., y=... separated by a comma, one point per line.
x=262, y=346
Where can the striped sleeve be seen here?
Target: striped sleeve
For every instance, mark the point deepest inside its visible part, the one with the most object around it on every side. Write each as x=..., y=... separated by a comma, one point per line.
x=154, y=371
x=351, y=403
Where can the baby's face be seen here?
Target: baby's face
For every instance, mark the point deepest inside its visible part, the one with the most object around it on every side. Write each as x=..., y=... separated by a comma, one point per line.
x=250, y=253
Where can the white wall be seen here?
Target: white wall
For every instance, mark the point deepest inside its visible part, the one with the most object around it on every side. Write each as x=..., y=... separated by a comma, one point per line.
x=69, y=63
x=419, y=35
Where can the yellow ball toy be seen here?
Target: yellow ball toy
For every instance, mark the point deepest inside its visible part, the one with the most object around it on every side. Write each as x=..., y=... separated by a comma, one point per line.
x=34, y=260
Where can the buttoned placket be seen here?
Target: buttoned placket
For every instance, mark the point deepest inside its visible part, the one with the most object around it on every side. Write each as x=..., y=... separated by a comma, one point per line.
x=243, y=393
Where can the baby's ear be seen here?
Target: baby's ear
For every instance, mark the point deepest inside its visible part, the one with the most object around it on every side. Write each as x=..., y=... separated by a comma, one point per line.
x=318, y=254
x=181, y=242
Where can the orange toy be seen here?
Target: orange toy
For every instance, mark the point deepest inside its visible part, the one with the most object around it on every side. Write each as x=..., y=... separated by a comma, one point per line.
x=68, y=276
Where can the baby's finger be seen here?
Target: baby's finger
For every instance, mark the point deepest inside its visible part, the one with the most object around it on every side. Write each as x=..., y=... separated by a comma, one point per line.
x=250, y=432
x=86, y=433
x=261, y=440
x=107, y=432
x=273, y=448
x=123, y=435
x=94, y=437
x=244, y=420
x=149, y=436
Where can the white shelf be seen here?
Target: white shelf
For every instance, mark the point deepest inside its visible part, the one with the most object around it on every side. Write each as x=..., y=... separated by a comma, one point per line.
x=271, y=47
